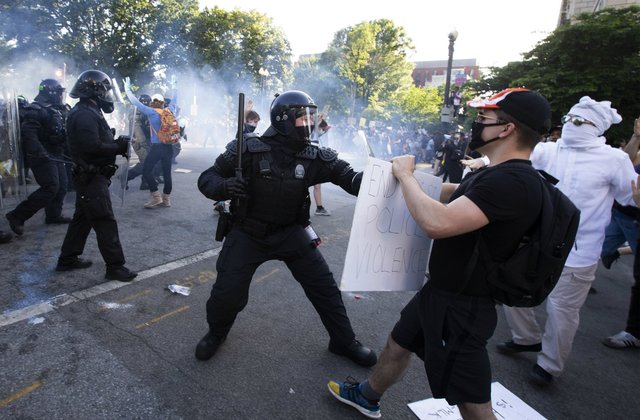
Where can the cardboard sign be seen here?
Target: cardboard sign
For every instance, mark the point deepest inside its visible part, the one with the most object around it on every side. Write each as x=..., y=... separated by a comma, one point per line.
x=387, y=250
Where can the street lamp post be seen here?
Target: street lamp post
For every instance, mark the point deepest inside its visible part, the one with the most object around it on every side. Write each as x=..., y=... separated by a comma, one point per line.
x=446, y=108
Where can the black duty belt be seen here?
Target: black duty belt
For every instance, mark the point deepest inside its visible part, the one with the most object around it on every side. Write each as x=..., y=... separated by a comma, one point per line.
x=258, y=228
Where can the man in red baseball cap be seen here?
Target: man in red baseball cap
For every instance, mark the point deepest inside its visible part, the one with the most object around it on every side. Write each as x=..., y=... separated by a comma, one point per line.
x=448, y=323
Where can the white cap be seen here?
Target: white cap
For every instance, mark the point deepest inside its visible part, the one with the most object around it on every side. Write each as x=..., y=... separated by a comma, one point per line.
x=157, y=97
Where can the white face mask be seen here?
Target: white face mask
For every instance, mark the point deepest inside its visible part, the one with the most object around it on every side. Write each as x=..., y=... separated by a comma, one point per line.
x=584, y=131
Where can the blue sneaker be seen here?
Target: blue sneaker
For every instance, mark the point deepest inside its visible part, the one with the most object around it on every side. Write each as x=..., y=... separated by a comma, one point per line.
x=350, y=393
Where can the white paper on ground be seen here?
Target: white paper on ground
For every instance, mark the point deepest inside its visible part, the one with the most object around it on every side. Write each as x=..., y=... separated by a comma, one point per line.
x=506, y=406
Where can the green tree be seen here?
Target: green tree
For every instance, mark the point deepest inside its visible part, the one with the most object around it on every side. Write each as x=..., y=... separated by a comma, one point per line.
x=598, y=56
x=175, y=19
x=24, y=31
x=313, y=75
x=237, y=44
x=417, y=107
x=115, y=35
x=371, y=59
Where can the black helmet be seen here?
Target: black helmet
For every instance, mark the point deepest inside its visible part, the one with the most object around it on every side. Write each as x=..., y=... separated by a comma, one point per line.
x=96, y=85
x=50, y=91
x=22, y=101
x=145, y=99
x=288, y=106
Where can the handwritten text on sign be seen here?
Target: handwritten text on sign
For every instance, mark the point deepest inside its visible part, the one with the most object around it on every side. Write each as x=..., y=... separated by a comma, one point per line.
x=387, y=250
x=506, y=405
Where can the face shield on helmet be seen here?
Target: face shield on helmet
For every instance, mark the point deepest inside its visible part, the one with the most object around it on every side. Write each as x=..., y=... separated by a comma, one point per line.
x=95, y=85
x=305, y=123
x=51, y=91
x=293, y=114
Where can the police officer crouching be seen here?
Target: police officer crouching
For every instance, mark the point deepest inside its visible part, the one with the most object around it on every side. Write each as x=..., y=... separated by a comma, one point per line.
x=93, y=150
x=270, y=210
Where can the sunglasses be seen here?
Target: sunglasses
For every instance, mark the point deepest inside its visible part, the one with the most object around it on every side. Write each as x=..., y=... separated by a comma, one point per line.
x=481, y=118
x=576, y=120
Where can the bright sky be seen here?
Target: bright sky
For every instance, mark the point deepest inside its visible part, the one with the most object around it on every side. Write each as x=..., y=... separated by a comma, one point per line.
x=492, y=31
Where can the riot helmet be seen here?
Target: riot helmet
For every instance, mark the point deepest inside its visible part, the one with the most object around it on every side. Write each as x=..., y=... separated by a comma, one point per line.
x=22, y=101
x=96, y=85
x=50, y=91
x=288, y=107
x=145, y=99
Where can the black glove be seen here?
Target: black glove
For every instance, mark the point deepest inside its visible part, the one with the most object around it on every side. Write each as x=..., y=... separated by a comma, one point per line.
x=235, y=187
x=123, y=146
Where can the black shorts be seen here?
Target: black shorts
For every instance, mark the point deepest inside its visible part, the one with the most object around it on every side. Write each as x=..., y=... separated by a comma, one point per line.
x=449, y=333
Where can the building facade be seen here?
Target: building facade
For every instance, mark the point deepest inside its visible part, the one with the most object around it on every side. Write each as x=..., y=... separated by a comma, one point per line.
x=571, y=8
x=434, y=73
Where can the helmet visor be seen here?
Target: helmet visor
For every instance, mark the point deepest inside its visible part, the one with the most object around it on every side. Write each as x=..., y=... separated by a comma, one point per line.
x=305, y=120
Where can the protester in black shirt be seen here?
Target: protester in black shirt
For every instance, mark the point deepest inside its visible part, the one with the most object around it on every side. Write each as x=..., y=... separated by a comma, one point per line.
x=447, y=324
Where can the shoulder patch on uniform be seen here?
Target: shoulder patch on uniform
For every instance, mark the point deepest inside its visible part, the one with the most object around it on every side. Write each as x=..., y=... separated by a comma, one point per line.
x=255, y=145
x=309, y=152
x=232, y=147
x=327, y=154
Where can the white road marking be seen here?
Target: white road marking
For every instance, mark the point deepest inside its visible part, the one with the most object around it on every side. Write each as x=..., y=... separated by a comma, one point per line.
x=65, y=299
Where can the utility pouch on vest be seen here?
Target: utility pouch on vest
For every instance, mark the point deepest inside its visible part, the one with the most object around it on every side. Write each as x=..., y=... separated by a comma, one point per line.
x=224, y=225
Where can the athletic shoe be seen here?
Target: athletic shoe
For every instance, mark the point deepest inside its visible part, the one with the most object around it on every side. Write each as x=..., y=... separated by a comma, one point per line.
x=539, y=376
x=321, y=211
x=622, y=340
x=350, y=393
x=509, y=347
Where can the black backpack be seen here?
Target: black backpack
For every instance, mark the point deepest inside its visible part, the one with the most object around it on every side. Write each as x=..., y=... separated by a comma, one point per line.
x=527, y=277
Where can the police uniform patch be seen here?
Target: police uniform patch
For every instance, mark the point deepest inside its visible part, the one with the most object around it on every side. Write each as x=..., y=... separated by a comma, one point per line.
x=299, y=172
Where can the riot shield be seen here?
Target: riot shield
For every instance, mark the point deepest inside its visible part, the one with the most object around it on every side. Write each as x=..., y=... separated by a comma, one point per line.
x=125, y=115
x=12, y=176
x=119, y=182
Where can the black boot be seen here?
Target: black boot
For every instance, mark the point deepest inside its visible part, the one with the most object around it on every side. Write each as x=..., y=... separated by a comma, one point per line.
x=355, y=351
x=120, y=273
x=5, y=237
x=16, y=225
x=79, y=263
x=208, y=346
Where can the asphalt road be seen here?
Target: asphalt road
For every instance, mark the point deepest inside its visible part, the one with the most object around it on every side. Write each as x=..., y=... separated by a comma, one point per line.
x=76, y=347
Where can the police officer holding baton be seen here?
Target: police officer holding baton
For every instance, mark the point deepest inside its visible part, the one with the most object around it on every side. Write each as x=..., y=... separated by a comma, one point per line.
x=277, y=170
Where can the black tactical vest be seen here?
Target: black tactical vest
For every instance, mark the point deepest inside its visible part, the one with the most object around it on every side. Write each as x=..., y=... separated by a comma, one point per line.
x=278, y=192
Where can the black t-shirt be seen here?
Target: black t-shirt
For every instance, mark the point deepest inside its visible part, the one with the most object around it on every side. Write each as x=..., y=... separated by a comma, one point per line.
x=511, y=199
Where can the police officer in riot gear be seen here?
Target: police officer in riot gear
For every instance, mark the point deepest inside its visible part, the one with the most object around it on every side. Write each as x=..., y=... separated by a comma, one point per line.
x=93, y=150
x=43, y=141
x=277, y=170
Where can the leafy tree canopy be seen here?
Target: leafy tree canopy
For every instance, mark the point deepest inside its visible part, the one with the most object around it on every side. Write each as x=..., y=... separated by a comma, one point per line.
x=598, y=56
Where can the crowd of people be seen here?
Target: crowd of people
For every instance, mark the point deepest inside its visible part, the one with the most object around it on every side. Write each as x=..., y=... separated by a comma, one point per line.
x=268, y=201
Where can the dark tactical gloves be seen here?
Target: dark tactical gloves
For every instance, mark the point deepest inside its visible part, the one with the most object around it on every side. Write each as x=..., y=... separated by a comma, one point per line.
x=123, y=145
x=235, y=187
